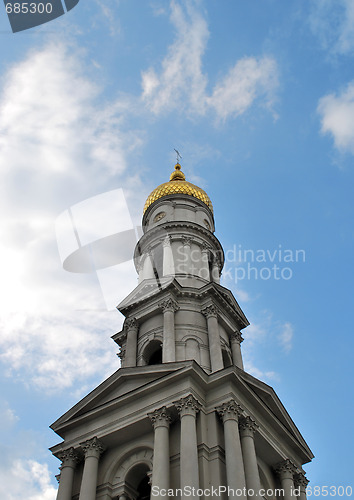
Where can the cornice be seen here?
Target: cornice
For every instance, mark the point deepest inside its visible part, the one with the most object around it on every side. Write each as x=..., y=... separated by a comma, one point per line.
x=203, y=236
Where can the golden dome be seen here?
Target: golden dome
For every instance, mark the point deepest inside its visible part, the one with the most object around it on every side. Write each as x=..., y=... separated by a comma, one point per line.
x=178, y=184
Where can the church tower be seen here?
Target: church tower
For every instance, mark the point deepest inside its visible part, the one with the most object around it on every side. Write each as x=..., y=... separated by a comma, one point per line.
x=180, y=418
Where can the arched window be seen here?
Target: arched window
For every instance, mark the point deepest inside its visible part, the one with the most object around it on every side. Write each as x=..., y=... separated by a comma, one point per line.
x=152, y=354
x=226, y=358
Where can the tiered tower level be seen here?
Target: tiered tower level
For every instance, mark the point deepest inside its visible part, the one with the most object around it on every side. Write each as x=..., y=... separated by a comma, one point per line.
x=181, y=415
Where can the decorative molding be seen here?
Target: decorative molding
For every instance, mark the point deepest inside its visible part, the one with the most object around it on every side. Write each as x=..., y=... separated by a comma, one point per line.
x=247, y=426
x=205, y=247
x=210, y=311
x=166, y=242
x=92, y=447
x=236, y=337
x=286, y=467
x=230, y=410
x=187, y=240
x=69, y=458
x=121, y=354
x=160, y=418
x=301, y=480
x=168, y=305
x=131, y=324
x=188, y=405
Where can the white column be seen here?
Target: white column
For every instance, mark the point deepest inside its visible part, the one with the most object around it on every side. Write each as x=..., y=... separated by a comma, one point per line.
x=235, y=473
x=161, y=461
x=168, y=264
x=131, y=327
x=301, y=483
x=93, y=449
x=235, y=340
x=169, y=307
x=189, y=468
x=186, y=268
x=69, y=459
x=148, y=268
x=247, y=429
x=205, y=273
x=286, y=470
x=210, y=312
x=215, y=271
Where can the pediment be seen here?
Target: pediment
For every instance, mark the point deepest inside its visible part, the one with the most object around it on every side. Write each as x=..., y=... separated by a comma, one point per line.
x=271, y=401
x=123, y=382
x=145, y=290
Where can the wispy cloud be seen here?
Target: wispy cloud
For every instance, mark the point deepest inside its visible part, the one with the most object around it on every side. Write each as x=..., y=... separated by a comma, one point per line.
x=181, y=84
x=250, y=79
x=332, y=21
x=285, y=337
x=337, y=118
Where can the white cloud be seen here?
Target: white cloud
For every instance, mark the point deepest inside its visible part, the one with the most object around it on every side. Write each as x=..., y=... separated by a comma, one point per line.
x=333, y=22
x=286, y=336
x=181, y=84
x=58, y=145
x=27, y=478
x=248, y=80
x=337, y=118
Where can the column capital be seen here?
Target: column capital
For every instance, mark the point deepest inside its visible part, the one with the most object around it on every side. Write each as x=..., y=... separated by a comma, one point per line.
x=186, y=240
x=131, y=324
x=168, y=305
x=69, y=458
x=286, y=469
x=188, y=405
x=301, y=480
x=160, y=417
x=236, y=337
x=121, y=354
x=205, y=247
x=210, y=311
x=248, y=426
x=92, y=447
x=166, y=242
x=229, y=410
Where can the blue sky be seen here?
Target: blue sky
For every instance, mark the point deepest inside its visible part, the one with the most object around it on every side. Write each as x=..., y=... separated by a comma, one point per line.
x=258, y=97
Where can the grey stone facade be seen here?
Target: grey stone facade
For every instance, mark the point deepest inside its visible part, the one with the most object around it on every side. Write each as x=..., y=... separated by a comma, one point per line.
x=180, y=413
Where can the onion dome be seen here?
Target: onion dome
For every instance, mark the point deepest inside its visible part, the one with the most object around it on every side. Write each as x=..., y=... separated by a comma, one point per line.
x=178, y=185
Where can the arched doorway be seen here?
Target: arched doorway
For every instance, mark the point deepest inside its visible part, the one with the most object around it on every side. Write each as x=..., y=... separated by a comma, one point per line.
x=138, y=479
x=144, y=489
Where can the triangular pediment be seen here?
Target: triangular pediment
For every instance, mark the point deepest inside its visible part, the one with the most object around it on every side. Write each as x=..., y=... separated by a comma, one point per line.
x=271, y=401
x=145, y=290
x=123, y=382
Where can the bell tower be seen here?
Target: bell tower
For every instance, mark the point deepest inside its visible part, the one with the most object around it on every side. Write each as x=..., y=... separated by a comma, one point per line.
x=180, y=418
x=186, y=314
